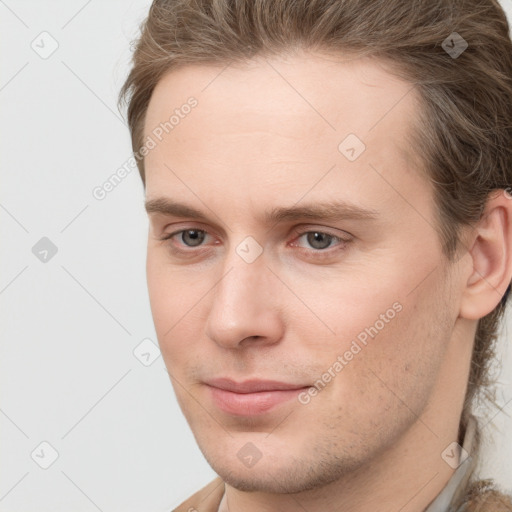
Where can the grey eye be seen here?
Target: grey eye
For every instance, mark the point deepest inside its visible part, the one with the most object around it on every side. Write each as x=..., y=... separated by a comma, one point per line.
x=319, y=240
x=194, y=236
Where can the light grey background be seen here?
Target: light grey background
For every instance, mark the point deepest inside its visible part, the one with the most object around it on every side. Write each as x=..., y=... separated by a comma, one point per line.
x=70, y=324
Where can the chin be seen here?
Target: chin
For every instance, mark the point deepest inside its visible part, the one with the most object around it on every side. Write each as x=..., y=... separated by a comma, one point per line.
x=278, y=475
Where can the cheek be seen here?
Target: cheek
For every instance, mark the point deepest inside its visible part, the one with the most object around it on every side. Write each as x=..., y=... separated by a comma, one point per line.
x=162, y=300
x=167, y=298
x=177, y=301
x=170, y=289
x=400, y=366
x=387, y=351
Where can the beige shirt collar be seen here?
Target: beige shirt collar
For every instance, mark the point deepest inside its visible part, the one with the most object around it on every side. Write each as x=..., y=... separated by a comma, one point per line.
x=444, y=502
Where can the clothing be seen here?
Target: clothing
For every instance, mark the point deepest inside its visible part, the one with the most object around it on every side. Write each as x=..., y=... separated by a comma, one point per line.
x=209, y=498
x=459, y=479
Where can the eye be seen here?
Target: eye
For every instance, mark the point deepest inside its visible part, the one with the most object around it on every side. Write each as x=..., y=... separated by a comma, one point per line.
x=317, y=239
x=195, y=236
x=320, y=240
x=189, y=237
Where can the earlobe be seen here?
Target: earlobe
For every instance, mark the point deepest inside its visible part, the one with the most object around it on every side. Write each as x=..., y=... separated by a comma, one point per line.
x=491, y=257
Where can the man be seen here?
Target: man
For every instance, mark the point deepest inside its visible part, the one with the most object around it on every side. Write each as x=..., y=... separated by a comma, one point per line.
x=330, y=242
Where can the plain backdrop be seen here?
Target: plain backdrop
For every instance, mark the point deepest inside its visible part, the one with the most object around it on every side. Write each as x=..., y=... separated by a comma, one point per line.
x=88, y=416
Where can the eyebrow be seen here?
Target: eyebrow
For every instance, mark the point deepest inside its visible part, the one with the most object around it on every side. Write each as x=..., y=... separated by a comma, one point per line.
x=330, y=211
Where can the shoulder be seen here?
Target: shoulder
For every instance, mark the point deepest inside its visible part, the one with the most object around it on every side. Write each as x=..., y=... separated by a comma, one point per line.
x=206, y=499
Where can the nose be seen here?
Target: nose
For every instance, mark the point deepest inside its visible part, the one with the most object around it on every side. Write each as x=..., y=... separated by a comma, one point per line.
x=245, y=307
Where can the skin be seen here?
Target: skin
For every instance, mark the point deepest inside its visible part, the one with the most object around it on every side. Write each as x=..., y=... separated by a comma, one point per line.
x=265, y=135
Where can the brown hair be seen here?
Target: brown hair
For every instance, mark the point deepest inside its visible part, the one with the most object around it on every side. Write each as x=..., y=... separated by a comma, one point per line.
x=463, y=133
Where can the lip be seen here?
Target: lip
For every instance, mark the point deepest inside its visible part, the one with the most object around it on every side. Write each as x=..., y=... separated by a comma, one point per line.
x=253, y=385
x=251, y=397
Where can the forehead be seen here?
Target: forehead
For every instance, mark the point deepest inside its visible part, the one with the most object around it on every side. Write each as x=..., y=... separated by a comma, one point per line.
x=330, y=93
x=281, y=122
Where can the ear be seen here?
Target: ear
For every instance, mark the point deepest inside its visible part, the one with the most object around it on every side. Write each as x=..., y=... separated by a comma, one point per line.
x=491, y=254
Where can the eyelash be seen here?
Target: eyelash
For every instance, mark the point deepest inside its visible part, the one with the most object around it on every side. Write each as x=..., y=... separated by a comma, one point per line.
x=317, y=252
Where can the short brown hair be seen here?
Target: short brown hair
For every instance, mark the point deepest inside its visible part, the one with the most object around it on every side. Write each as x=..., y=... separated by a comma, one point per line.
x=463, y=134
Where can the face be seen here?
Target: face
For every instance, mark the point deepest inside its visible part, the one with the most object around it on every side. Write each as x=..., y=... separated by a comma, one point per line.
x=292, y=240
